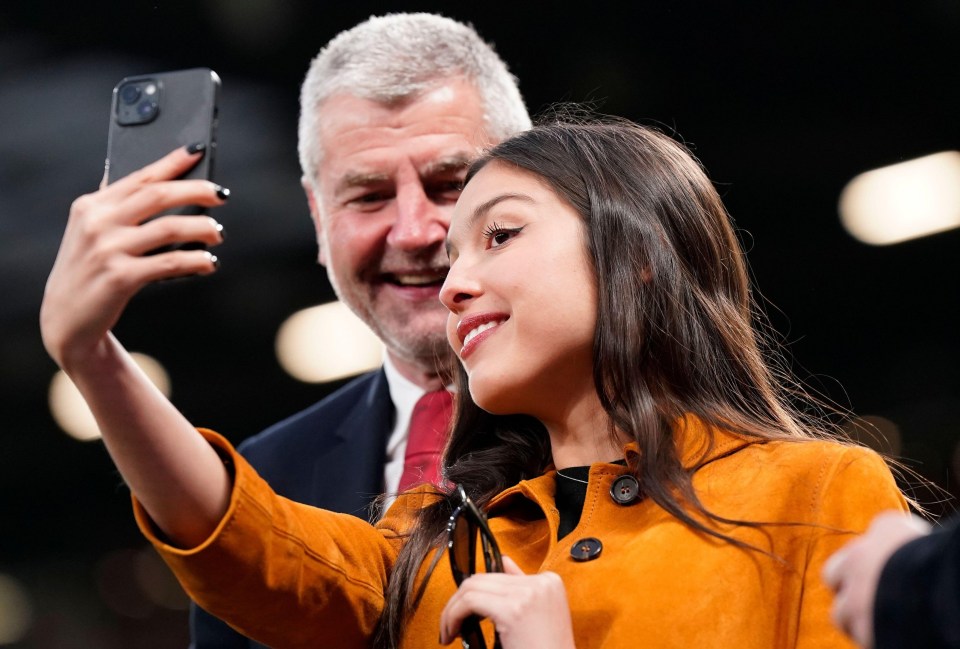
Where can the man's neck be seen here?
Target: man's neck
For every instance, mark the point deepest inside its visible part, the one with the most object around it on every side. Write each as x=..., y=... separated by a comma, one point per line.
x=426, y=377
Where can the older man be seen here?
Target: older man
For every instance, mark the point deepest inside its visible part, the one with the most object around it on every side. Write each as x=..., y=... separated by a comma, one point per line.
x=392, y=111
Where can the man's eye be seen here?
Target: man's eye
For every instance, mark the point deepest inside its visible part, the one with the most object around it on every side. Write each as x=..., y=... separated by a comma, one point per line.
x=369, y=199
x=446, y=190
x=373, y=197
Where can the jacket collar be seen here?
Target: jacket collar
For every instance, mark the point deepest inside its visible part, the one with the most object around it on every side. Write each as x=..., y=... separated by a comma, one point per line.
x=698, y=443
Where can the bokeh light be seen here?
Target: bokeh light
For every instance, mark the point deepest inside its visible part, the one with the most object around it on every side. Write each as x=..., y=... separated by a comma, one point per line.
x=71, y=412
x=326, y=343
x=16, y=611
x=903, y=201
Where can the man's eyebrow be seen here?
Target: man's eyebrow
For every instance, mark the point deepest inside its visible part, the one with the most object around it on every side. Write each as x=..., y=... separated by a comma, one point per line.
x=483, y=208
x=358, y=179
x=451, y=164
x=445, y=165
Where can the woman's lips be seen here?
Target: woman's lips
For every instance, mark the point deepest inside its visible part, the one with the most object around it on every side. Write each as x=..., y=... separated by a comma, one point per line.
x=474, y=329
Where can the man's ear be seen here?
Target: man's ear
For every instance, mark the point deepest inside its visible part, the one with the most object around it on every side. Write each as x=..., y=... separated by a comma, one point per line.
x=309, y=190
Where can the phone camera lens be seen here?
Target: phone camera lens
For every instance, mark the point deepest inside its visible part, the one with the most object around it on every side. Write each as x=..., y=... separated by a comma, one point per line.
x=147, y=109
x=130, y=94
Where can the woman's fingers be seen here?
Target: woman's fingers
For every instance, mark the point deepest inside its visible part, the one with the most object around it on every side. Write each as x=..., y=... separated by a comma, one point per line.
x=149, y=200
x=176, y=263
x=517, y=603
x=172, y=230
x=169, y=167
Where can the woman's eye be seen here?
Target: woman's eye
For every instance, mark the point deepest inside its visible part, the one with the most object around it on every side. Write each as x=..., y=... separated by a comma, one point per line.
x=498, y=235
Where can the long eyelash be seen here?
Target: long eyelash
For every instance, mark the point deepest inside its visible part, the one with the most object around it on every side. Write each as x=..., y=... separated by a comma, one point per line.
x=492, y=229
x=495, y=228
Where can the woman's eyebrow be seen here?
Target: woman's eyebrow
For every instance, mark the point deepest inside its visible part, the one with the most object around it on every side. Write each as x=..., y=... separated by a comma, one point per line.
x=483, y=208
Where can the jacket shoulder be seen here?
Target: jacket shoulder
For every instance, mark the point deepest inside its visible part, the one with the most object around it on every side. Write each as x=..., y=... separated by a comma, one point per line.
x=835, y=484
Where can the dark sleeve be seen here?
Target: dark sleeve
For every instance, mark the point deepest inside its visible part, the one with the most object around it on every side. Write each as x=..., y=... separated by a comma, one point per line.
x=918, y=596
x=208, y=632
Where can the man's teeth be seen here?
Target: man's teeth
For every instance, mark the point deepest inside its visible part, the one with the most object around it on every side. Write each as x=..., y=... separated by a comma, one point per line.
x=479, y=330
x=418, y=280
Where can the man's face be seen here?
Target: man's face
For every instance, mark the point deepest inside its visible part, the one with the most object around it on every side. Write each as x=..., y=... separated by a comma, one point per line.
x=388, y=181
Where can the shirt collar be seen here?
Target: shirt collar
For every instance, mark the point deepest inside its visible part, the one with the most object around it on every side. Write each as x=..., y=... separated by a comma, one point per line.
x=404, y=393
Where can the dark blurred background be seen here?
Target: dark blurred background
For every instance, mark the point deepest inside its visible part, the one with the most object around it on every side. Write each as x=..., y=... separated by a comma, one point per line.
x=783, y=103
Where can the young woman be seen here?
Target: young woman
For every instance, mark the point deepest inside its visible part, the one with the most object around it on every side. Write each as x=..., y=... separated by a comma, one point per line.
x=640, y=462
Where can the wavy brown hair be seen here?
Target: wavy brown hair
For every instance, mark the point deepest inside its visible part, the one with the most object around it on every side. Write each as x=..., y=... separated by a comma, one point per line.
x=677, y=331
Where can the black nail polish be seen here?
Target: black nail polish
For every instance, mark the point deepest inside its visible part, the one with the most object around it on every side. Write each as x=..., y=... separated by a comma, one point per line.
x=215, y=261
x=219, y=228
x=196, y=147
x=222, y=193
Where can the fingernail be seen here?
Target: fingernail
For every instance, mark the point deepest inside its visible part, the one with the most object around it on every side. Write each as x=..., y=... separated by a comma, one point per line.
x=214, y=260
x=222, y=192
x=219, y=228
x=196, y=147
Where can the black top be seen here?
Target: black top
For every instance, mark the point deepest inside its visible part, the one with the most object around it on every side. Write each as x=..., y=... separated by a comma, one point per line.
x=571, y=492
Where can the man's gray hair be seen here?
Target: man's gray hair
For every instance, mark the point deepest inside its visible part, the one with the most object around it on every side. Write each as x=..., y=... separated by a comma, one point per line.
x=392, y=58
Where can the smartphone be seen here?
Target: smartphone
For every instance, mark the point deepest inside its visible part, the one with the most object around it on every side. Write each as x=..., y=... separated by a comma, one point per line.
x=153, y=114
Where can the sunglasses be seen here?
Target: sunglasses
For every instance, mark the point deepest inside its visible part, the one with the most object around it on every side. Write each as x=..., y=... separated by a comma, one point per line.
x=465, y=522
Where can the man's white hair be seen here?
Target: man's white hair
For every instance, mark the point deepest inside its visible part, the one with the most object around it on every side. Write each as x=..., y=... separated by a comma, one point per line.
x=393, y=58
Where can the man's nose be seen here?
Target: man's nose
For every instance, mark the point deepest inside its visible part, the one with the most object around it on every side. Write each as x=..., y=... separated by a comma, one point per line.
x=419, y=222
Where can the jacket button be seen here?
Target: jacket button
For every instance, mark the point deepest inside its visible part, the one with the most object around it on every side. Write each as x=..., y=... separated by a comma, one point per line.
x=625, y=490
x=586, y=549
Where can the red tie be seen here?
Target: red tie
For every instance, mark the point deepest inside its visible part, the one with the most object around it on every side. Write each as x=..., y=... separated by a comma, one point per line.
x=425, y=439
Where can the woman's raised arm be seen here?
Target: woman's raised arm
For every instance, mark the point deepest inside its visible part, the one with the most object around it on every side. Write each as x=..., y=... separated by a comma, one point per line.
x=101, y=265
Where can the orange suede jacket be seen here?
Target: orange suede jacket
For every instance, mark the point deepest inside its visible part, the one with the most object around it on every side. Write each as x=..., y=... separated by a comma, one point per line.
x=290, y=575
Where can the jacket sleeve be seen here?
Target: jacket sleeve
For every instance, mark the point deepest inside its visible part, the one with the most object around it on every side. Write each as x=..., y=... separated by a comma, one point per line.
x=848, y=491
x=283, y=573
x=918, y=596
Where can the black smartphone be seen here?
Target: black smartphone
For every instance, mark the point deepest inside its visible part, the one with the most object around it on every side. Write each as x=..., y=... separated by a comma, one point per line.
x=153, y=114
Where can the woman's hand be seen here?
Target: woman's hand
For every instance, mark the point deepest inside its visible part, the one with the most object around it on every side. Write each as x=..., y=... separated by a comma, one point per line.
x=102, y=263
x=529, y=611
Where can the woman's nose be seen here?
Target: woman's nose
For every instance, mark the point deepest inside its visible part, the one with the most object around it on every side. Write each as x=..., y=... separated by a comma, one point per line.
x=459, y=288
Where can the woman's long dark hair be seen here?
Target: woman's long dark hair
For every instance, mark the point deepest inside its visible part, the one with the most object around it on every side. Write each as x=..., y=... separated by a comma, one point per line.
x=676, y=331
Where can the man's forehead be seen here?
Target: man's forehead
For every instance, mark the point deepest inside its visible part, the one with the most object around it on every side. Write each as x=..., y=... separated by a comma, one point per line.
x=436, y=129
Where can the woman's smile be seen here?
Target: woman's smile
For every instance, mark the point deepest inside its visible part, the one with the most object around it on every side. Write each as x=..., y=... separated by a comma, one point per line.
x=471, y=330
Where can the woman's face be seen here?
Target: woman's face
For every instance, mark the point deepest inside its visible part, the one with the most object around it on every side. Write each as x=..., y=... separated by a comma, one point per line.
x=521, y=294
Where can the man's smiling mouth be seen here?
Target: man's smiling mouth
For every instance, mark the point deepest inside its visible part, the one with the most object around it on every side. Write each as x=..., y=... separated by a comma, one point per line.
x=420, y=279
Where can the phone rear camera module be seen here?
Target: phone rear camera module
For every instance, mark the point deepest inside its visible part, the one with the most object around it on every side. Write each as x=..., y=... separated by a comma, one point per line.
x=138, y=102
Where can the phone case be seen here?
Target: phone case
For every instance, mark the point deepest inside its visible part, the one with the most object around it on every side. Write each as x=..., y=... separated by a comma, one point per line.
x=154, y=114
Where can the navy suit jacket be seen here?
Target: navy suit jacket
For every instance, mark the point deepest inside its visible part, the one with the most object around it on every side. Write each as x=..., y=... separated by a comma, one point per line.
x=330, y=455
x=918, y=597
